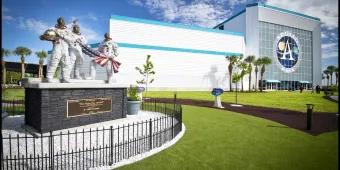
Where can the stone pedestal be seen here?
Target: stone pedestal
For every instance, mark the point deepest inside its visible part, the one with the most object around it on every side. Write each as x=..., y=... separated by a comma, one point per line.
x=55, y=106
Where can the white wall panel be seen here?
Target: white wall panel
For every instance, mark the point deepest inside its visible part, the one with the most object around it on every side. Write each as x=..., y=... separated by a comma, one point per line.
x=159, y=35
x=174, y=70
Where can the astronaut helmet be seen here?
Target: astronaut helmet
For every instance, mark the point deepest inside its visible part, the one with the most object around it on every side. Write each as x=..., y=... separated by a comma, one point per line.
x=60, y=23
x=76, y=29
x=107, y=37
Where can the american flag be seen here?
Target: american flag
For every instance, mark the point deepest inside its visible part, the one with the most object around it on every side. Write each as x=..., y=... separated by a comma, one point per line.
x=100, y=58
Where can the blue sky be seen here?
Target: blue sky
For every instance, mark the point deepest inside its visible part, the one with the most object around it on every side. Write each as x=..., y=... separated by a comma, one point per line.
x=24, y=20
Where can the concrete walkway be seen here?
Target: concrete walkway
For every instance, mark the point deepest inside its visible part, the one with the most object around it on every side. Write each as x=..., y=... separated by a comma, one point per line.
x=336, y=98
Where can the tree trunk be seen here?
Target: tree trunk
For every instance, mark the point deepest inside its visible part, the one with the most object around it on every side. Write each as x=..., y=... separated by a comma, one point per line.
x=39, y=71
x=327, y=82
x=42, y=71
x=3, y=72
x=331, y=79
x=236, y=93
x=249, y=82
x=22, y=69
x=261, y=82
x=336, y=79
x=230, y=82
x=242, y=84
x=146, y=86
x=255, y=81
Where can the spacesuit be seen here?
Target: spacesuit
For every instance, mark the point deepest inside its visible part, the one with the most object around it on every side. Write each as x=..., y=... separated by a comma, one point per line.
x=110, y=49
x=60, y=53
x=75, y=51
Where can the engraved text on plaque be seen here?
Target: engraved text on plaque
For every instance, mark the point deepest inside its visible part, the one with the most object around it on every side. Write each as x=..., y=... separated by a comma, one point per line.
x=88, y=106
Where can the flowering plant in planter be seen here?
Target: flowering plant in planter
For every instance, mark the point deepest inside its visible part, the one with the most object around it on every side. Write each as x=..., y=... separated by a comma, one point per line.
x=133, y=94
x=133, y=103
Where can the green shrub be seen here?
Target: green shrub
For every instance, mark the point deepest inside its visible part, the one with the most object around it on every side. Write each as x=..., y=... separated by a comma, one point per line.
x=333, y=88
x=133, y=93
x=12, y=77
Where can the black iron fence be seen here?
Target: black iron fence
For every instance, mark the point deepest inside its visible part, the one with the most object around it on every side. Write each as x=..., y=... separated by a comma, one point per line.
x=84, y=149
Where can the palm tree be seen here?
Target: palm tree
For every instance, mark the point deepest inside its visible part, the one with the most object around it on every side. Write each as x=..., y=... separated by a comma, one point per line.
x=257, y=63
x=41, y=55
x=250, y=60
x=331, y=69
x=336, y=70
x=244, y=70
x=4, y=53
x=327, y=76
x=236, y=77
x=22, y=52
x=232, y=61
x=264, y=61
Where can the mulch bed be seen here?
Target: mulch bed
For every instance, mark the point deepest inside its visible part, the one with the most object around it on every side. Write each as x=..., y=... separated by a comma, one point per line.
x=321, y=122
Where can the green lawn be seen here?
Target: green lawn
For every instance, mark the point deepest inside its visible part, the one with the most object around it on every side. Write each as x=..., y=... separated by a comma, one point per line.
x=217, y=139
x=13, y=94
x=276, y=99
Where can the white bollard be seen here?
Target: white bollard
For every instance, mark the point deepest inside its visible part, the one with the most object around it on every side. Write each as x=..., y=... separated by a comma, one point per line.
x=218, y=103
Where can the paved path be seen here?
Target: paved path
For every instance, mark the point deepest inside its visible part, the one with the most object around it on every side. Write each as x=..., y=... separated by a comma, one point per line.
x=336, y=98
x=322, y=122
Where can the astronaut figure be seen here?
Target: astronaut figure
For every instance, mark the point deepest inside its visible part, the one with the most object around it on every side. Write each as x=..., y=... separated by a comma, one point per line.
x=110, y=49
x=60, y=53
x=76, y=55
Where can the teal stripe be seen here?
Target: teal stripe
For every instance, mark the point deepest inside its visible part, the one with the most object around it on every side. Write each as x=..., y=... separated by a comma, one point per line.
x=162, y=48
x=145, y=21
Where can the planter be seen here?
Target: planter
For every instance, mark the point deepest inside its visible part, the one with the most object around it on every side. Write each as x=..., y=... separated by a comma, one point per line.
x=133, y=107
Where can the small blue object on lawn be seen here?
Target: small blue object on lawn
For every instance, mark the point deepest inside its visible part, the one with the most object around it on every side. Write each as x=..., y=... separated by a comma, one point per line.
x=217, y=92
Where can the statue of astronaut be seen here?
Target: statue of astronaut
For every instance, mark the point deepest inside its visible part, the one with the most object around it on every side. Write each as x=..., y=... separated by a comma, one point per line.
x=110, y=49
x=60, y=53
x=75, y=51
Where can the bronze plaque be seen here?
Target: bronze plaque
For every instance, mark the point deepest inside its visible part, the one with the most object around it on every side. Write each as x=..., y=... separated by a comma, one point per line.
x=88, y=106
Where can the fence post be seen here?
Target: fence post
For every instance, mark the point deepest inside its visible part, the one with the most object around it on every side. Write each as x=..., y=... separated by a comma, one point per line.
x=150, y=132
x=175, y=100
x=172, y=124
x=155, y=105
x=111, y=146
x=51, y=150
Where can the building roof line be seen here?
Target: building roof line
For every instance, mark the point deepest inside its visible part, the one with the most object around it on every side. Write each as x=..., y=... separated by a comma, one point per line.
x=289, y=11
x=270, y=7
x=175, y=25
x=232, y=17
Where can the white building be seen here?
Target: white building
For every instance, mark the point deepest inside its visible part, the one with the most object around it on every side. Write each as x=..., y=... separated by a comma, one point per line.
x=193, y=58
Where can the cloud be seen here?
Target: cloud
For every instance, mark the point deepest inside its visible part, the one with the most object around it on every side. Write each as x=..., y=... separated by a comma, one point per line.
x=38, y=27
x=89, y=33
x=198, y=12
x=329, y=50
x=326, y=10
x=88, y=16
x=233, y=3
x=5, y=16
x=33, y=25
x=4, y=9
x=92, y=16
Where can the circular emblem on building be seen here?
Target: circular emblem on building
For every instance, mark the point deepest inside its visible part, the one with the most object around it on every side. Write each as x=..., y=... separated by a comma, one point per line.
x=287, y=51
